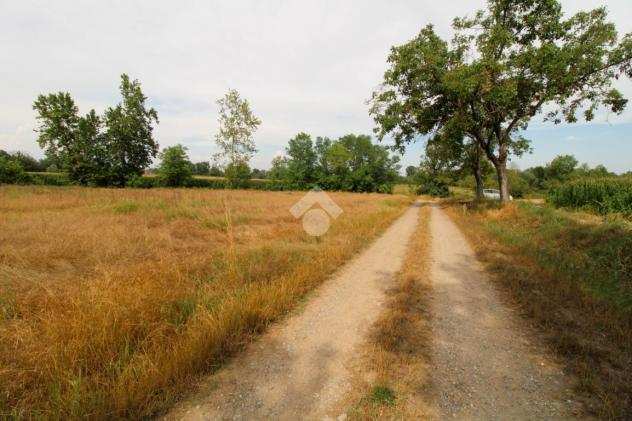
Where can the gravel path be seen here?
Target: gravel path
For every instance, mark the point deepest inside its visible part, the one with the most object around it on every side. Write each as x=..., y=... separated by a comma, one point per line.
x=297, y=370
x=486, y=365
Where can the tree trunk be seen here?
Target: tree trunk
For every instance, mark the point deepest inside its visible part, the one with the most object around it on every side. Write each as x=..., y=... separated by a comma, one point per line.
x=503, y=182
x=478, y=176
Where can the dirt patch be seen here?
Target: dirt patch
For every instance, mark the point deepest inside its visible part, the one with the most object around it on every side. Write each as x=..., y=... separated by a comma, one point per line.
x=486, y=362
x=299, y=369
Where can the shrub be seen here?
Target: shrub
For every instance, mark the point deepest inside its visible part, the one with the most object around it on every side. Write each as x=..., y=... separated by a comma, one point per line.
x=48, y=179
x=603, y=195
x=175, y=168
x=11, y=171
x=426, y=183
x=143, y=182
x=237, y=174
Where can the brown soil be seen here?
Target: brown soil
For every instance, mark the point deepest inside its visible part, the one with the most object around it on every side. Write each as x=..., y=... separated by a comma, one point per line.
x=486, y=363
x=300, y=368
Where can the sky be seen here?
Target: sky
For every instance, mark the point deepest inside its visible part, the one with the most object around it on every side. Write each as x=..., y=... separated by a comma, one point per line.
x=303, y=65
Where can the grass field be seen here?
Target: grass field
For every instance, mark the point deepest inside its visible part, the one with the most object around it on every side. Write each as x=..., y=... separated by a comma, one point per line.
x=571, y=276
x=113, y=301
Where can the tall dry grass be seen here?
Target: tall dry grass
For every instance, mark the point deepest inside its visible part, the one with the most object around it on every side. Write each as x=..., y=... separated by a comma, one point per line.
x=113, y=301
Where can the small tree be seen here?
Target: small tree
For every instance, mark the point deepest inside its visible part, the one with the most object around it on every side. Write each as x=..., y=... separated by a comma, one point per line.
x=201, y=168
x=561, y=167
x=175, y=168
x=237, y=124
x=500, y=69
x=237, y=174
x=278, y=170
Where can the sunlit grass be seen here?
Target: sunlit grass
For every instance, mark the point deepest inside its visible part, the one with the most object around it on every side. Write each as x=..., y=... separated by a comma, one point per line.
x=113, y=300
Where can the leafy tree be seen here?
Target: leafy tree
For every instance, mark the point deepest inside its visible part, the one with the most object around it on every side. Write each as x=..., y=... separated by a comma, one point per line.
x=259, y=174
x=278, y=171
x=201, y=168
x=11, y=171
x=501, y=68
x=129, y=133
x=74, y=143
x=237, y=174
x=451, y=152
x=237, y=124
x=215, y=171
x=561, y=167
x=428, y=179
x=175, y=168
x=93, y=149
x=27, y=161
x=301, y=160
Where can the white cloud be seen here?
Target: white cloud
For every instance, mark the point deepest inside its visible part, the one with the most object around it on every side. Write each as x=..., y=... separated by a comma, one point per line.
x=304, y=66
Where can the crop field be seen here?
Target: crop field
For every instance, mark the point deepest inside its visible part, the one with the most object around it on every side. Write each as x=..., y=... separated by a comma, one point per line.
x=113, y=301
x=603, y=195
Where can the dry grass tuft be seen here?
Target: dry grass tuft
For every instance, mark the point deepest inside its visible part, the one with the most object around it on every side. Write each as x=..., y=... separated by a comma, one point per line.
x=394, y=377
x=112, y=301
x=573, y=280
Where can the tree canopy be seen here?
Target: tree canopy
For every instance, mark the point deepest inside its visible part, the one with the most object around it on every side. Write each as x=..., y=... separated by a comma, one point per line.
x=237, y=124
x=500, y=69
x=97, y=150
x=352, y=162
x=175, y=167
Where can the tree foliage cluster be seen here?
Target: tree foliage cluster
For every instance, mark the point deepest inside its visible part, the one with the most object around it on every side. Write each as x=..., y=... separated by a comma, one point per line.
x=93, y=149
x=539, y=179
x=476, y=94
x=351, y=163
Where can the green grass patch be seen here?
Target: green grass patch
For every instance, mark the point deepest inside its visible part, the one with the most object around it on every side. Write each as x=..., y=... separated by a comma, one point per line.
x=126, y=207
x=382, y=395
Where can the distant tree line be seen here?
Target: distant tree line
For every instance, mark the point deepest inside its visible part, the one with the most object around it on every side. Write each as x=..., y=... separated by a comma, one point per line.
x=351, y=162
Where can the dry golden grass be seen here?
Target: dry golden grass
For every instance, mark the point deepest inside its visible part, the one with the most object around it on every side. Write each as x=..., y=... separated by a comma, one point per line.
x=113, y=301
x=393, y=382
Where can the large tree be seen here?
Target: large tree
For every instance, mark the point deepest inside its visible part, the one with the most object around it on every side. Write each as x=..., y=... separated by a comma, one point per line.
x=74, y=143
x=129, y=135
x=501, y=68
x=301, y=160
x=98, y=150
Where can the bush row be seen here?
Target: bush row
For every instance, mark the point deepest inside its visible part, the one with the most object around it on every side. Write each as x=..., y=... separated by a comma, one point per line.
x=603, y=195
x=149, y=182
x=146, y=182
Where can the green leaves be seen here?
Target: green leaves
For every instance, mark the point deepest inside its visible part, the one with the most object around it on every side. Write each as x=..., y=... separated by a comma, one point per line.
x=175, y=168
x=501, y=67
x=237, y=124
x=87, y=152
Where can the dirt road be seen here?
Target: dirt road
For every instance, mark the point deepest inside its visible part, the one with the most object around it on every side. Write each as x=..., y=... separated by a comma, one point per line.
x=486, y=362
x=298, y=369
